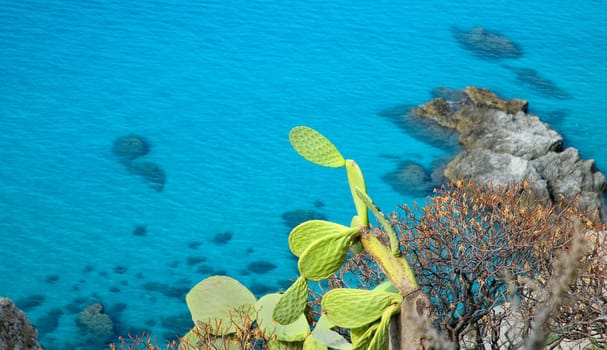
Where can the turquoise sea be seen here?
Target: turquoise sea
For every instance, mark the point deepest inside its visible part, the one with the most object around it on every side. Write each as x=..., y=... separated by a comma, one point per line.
x=215, y=87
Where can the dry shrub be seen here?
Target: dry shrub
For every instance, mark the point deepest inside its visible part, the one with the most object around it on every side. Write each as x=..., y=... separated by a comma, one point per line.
x=467, y=239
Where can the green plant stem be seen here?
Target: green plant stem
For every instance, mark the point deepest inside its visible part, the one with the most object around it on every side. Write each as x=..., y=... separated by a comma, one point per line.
x=396, y=268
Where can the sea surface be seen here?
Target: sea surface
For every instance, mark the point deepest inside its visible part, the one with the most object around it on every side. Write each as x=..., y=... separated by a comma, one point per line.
x=215, y=87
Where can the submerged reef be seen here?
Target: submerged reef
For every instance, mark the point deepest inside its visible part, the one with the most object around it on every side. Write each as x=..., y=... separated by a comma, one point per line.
x=486, y=44
x=538, y=83
x=296, y=217
x=131, y=147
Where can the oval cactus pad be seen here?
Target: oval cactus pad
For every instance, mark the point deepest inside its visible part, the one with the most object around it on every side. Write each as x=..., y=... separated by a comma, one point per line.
x=292, y=332
x=325, y=255
x=314, y=147
x=303, y=235
x=221, y=302
x=352, y=308
x=292, y=303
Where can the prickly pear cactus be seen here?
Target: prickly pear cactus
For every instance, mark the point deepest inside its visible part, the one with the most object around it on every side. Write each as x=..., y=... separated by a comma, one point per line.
x=354, y=308
x=325, y=255
x=295, y=331
x=314, y=147
x=292, y=303
x=222, y=302
x=303, y=235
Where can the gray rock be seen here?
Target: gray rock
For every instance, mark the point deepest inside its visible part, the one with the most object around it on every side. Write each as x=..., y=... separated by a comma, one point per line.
x=502, y=143
x=16, y=332
x=522, y=135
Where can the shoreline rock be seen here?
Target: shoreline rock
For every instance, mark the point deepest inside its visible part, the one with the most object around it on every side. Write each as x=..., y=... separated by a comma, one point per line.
x=502, y=143
x=16, y=332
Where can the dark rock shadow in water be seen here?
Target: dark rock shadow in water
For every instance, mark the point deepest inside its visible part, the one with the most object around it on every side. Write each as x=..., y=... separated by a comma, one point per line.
x=538, y=83
x=412, y=179
x=422, y=129
x=296, y=217
x=130, y=147
x=150, y=171
x=485, y=44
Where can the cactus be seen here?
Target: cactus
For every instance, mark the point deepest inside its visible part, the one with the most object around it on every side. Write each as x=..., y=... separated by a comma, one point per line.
x=296, y=331
x=322, y=247
x=222, y=302
x=293, y=303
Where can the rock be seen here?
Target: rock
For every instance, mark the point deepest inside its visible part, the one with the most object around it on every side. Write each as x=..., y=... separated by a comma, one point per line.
x=502, y=143
x=130, y=147
x=540, y=84
x=16, y=332
x=483, y=98
x=296, y=217
x=95, y=323
x=486, y=44
x=410, y=178
x=150, y=171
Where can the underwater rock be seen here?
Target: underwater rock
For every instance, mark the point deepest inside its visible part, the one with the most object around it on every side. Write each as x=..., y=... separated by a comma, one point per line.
x=486, y=44
x=150, y=171
x=16, y=332
x=95, y=322
x=130, y=147
x=260, y=289
x=52, y=279
x=423, y=129
x=119, y=269
x=538, y=83
x=47, y=323
x=410, y=178
x=261, y=267
x=195, y=260
x=222, y=238
x=205, y=270
x=140, y=230
x=28, y=303
x=296, y=217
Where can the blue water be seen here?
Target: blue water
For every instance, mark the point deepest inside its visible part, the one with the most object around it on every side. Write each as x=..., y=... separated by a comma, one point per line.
x=215, y=87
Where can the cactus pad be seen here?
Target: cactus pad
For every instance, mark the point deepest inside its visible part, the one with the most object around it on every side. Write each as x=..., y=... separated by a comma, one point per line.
x=325, y=256
x=380, y=338
x=361, y=337
x=222, y=302
x=352, y=308
x=303, y=235
x=295, y=331
x=314, y=147
x=356, y=180
x=292, y=303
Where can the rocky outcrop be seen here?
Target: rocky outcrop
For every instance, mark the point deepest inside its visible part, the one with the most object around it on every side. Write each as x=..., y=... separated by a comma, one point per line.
x=94, y=322
x=16, y=332
x=503, y=143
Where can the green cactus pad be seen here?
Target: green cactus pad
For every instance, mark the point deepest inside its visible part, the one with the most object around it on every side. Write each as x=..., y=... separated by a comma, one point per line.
x=361, y=337
x=356, y=180
x=189, y=341
x=312, y=344
x=292, y=303
x=303, y=235
x=381, y=336
x=222, y=302
x=314, y=147
x=325, y=256
x=330, y=338
x=356, y=246
x=295, y=331
x=352, y=308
